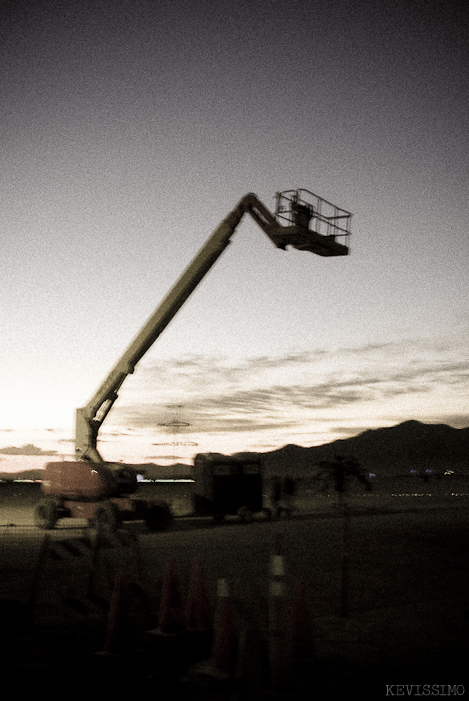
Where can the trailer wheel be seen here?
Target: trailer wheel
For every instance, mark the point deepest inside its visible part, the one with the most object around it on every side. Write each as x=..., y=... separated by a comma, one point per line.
x=46, y=513
x=158, y=517
x=245, y=514
x=107, y=517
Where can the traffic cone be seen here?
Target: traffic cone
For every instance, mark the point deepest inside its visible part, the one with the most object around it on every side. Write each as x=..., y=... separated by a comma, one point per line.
x=117, y=638
x=277, y=585
x=302, y=649
x=198, y=613
x=276, y=622
x=223, y=656
x=171, y=617
x=252, y=667
x=199, y=620
x=221, y=664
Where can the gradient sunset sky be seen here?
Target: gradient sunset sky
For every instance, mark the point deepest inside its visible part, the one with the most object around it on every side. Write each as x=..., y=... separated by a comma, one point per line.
x=129, y=130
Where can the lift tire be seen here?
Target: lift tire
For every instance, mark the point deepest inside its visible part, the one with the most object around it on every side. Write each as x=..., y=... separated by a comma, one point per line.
x=107, y=517
x=46, y=513
x=158, y=517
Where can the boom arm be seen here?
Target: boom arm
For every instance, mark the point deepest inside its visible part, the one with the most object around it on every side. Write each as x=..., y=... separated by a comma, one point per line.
x=90, y=417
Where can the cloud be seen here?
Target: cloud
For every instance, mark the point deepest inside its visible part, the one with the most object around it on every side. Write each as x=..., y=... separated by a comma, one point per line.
x=209, y=415
x=28, y=449
x=165, y=457
x=456, y=420
x=268, y=393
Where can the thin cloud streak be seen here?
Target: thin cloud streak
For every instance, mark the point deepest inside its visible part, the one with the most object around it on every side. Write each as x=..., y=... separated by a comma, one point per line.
x=28, y=450
x=265, y=393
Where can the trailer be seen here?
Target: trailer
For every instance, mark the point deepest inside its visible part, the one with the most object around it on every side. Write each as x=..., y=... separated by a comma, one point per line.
x=226, y=485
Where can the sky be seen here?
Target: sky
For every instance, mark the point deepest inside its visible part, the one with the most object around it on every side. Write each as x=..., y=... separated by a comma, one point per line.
x=129, y=130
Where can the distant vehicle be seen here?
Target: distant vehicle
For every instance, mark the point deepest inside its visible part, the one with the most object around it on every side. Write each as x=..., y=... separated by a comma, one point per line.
x=101, y=491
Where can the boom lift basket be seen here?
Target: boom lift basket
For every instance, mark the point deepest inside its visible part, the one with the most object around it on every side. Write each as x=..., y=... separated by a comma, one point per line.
x=306, y=211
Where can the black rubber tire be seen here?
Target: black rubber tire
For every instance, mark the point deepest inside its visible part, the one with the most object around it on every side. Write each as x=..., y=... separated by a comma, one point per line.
x=107, y=517
x=46, y=513
x=158, y=517
x=245, y=515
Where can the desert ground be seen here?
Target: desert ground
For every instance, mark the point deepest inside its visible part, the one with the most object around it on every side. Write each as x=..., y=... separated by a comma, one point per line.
x=401, y=619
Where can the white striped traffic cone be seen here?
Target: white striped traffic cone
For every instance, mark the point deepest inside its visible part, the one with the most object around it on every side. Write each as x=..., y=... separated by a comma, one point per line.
x=276, y=633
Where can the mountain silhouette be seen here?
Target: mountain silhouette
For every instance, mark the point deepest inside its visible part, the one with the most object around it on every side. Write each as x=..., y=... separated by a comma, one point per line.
x=392, y=451
x=386, y=452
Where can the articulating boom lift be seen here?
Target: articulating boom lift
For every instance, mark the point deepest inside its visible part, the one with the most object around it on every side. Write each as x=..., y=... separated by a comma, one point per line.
x=95, y=489
x=293, y=206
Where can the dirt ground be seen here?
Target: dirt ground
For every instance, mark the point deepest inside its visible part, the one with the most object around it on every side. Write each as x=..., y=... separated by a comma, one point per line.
x=398, y=614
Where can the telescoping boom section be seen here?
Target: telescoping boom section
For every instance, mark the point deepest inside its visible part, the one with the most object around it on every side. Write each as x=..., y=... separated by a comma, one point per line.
x=302, y=220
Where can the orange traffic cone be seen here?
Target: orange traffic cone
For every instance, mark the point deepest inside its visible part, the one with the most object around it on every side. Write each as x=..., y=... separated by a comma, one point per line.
x=252, y=666
x=117, y=639
x=222, y=662
x=223, y=657
x=171, y=618
x=301, y=640
x=198, y=614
